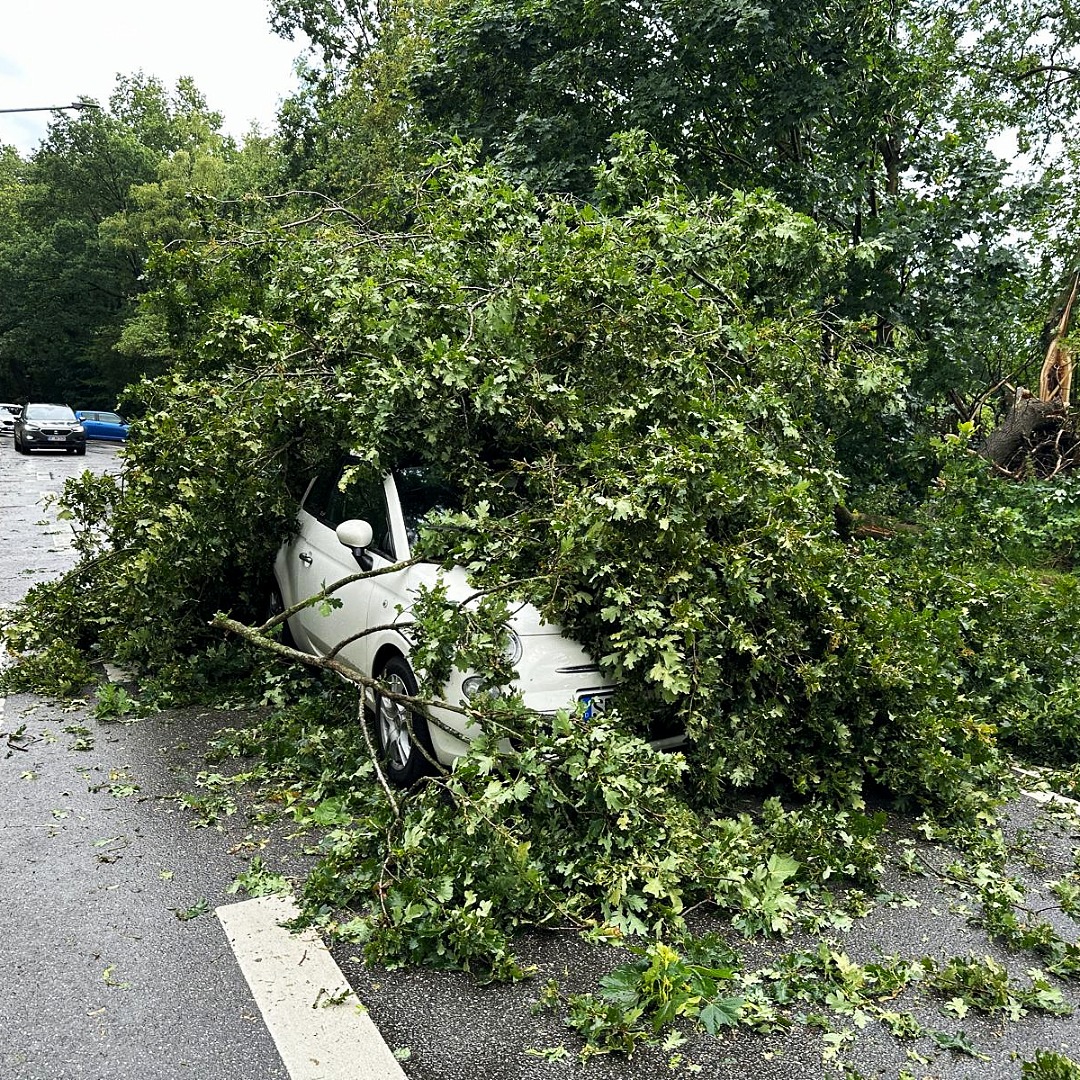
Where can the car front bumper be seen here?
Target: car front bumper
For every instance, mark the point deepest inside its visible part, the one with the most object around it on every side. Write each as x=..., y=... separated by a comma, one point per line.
x=53, y=439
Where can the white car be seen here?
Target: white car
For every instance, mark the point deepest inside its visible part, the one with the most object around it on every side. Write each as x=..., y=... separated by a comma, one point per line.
x=9, y=413
x=372, y=525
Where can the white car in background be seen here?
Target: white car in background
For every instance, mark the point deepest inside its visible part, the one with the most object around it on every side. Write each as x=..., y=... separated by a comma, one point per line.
x=9, y=413
x=373, y=525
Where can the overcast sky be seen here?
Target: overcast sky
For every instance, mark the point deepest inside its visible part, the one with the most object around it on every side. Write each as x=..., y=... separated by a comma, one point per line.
x=53, y=52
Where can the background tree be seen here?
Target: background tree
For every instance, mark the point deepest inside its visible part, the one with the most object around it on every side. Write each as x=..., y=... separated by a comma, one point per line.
x=80, y=218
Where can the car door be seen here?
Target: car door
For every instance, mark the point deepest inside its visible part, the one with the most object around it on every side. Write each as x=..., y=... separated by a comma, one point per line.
x=317, y=558
x=112, y=426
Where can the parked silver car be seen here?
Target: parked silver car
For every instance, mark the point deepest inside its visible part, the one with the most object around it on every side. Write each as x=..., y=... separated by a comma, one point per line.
x=9, y=413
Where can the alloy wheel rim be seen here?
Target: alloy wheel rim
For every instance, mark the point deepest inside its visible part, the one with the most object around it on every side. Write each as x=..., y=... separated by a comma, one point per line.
x=394, y=725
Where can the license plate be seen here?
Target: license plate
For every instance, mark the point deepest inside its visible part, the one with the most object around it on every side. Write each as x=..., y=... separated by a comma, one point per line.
x=56, y=438
x=595, y=704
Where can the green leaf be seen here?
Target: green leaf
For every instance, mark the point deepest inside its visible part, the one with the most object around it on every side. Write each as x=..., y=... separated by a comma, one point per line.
x=721, y=1013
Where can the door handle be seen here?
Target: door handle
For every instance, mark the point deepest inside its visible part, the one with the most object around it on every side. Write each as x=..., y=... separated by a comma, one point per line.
x=305, y=558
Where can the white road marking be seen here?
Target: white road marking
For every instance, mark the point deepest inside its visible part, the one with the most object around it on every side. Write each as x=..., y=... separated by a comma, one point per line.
x=306, y=1002
x=118, y=674
x=1043, y=796
x=1051, y=797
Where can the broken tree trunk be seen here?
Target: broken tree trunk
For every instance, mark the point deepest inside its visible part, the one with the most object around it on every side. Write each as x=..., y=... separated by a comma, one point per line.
x=1038, y=431
x=1027, y=423
x=1055, y=379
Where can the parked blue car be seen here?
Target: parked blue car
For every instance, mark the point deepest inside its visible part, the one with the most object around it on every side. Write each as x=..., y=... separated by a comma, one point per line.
x=103, y=425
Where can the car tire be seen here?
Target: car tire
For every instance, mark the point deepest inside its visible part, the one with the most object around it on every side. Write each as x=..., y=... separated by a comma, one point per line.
x=19, y=447
x=402, y=759
x=80, y=451
x=276, y=606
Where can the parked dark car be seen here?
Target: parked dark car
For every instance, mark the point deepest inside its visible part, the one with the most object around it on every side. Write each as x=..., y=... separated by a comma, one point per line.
x=103, y=425
x=49, y=427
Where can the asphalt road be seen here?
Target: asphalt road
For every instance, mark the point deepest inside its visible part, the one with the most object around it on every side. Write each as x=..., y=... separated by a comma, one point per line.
x=116, y=968
x=101, y=977
x=459, y=1030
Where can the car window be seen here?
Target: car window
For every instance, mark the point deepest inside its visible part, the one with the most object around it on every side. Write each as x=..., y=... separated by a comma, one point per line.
x=108, y=418
x=422, y=494
x=364, y=498
x=317, y=500
x=50, y=412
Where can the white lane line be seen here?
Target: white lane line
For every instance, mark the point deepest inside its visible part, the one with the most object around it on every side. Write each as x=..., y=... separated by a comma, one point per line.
x=1043, y=796
x=1051, y=797
x=117, y=674
x=298, y=987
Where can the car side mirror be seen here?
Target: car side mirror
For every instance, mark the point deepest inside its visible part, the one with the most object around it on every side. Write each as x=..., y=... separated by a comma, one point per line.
x=357, y=535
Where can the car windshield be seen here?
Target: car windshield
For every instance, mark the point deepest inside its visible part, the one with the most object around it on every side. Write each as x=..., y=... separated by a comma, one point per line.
x=423, y=495
x=49, y=412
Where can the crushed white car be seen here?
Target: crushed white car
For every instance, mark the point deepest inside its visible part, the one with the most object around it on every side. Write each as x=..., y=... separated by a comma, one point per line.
x=374, y=525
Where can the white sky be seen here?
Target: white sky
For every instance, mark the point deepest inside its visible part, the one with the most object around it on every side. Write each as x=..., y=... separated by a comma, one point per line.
x=53, y=52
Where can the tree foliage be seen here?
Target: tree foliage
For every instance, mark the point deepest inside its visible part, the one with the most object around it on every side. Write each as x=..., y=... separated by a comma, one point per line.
x=885, y=123
x=106, y=188
x=680, y=280
x=636, y=400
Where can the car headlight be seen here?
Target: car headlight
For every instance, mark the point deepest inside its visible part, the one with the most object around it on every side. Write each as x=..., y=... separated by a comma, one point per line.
x=472, y=686
x=77, y=429
x=31, y=427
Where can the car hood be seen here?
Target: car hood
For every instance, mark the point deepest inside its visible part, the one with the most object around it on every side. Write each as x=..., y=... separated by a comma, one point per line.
x=525, y=619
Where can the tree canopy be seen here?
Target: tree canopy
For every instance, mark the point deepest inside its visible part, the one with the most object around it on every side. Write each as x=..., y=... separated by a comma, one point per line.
x=886, y=123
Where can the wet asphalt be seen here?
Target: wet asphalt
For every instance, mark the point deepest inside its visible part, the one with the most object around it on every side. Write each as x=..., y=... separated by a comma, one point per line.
x=102, y=977
x=115, y=967
x=494, y=1032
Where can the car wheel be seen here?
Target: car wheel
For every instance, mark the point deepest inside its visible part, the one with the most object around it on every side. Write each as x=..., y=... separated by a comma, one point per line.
x=402, y=759
x=80, y=451
x=19, y=447
x=276, y=606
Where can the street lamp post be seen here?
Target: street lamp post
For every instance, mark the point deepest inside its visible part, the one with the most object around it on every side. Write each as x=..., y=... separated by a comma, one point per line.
x=78, y=105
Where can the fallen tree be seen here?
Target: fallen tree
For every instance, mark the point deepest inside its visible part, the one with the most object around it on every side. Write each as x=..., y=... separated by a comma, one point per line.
x=637, y=404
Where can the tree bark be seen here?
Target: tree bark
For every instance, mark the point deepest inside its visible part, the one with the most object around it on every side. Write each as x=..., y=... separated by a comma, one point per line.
x=1026, y=420
x=853, y=525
